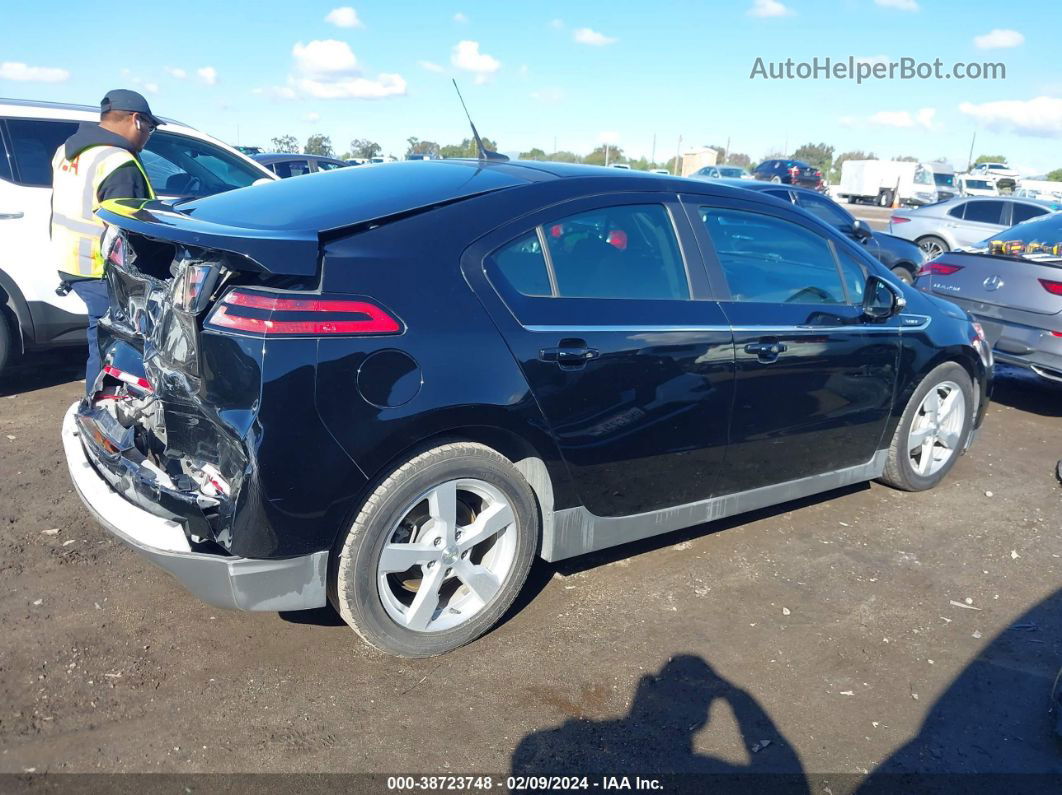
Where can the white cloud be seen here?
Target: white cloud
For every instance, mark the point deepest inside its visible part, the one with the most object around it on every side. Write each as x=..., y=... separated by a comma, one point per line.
x=460, y=18
x=556, y=24
x=15, y=70
x=769, y=8
x=344, y=17
x=523, y=71
x=848, y=121
x=899, y=5
x=208, y=74
x=902, y=119
x=312, y=117
x=1038, y=117
x=548, y=96
x=466, y=56
x=431, y=66
x=176, y=73
x=328, y=69
x=999, y=38
x=592, y=37
x=151, y=88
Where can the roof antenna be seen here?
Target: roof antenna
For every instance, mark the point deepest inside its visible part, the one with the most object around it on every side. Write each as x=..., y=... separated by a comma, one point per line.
x=484, y=154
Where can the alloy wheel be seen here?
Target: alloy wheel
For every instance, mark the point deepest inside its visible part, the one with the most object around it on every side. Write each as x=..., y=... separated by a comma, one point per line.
x=936, y=429
x=448, y=557
x=932, y=248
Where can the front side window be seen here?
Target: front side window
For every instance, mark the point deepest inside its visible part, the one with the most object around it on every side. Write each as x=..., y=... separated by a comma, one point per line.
x=825, y=210
x=33, y=145
x=988, y=212
x=628, y=251
x=181, y=166
x=769, y=260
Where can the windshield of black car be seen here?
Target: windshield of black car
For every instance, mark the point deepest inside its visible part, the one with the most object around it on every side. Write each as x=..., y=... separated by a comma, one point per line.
x=1039, y=238
x=179, y=165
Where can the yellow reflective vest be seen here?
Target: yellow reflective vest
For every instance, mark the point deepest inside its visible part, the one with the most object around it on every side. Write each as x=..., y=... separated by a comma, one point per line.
x=76, y=231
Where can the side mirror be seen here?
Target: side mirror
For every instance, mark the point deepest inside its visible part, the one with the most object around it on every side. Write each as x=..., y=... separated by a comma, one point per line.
x=861, y=230
x=881, y=300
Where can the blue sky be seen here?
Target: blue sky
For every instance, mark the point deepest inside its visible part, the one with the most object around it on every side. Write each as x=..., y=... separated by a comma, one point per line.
x=576, y=73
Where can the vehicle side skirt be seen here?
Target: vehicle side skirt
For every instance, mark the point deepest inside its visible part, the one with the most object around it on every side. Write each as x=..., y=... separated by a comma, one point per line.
x=576, y=531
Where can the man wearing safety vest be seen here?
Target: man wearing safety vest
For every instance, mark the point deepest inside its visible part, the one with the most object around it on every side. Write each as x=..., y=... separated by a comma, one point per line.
x=98, y=162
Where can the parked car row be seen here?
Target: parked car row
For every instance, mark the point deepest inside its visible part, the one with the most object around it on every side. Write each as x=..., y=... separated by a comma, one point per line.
x=295, y=165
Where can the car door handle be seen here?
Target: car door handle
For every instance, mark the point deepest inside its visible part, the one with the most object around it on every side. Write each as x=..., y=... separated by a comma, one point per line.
x=766, y=351
x=569, y=356
x=10, y=216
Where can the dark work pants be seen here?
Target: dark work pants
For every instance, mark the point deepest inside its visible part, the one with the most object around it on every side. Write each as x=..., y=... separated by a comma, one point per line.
x=94, y=293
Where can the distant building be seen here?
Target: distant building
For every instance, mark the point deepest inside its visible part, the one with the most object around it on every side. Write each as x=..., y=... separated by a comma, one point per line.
x=698, y=158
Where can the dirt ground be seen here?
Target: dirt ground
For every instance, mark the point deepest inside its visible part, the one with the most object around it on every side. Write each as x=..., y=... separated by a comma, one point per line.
x=862, y=632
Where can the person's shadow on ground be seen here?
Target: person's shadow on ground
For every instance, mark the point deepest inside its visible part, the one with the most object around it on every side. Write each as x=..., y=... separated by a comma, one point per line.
x=656, y=737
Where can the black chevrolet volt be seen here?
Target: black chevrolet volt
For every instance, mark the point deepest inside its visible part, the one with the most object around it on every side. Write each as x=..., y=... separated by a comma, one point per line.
x=390, y=388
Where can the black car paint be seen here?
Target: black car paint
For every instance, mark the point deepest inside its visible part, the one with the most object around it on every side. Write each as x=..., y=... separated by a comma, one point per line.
x=780, y=169
x=419, y=249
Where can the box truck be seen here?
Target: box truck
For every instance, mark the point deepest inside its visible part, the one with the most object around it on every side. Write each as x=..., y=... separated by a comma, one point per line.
x=883, y=181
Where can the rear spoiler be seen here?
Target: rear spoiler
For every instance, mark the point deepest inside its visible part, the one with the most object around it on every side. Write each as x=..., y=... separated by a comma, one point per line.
x=288, y=253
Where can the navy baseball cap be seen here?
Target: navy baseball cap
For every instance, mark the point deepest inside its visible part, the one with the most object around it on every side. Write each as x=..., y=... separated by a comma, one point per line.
x=124, y=99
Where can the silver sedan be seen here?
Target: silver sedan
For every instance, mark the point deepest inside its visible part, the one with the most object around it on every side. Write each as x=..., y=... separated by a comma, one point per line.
x=964, y=221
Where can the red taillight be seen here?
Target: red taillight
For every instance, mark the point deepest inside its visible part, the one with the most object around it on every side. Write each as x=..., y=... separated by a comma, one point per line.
x=939, y=268
x=129, y=378
x=1055, y=288
x=271, y=314
x=617, y=238
x=898, y=219
x=1056, y=333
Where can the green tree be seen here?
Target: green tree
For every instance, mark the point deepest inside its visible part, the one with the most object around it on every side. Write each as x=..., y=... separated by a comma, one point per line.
x=1055, y=176
x=818, y=155
x=990, y=159
x=467, y=148
x=597, y=157
x=564, y=156
x=857, y=154
x=364, y=148
x=906, y=159
x=739, y=159
x=318, y=144
x=533, y=154
x=419, y=147
x=285, y=143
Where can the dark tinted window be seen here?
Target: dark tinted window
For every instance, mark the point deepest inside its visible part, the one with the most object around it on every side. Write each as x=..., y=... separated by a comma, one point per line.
x=958, y=210
x=5, y=165
x=328, y=165
x=985, y=212
x=766, y=259
x=617, y=252
x=1023, y=212
x=33, y=145
x=523, y=265
x=181, y=166
x=825, y=210
x=290, y=168
x=614, y=252
x=779, y=194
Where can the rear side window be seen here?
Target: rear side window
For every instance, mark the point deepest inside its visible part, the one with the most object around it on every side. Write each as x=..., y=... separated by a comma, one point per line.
x=769, y=260
x=626, y=251
x=1023, y=212
x=33, y=145
x=985, y=212
x=958, y=210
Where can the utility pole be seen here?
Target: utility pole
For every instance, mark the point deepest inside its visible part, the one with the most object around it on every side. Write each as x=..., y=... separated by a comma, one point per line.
x=725, y=151
x=606, y=154
x=969, y=160
x=678, y=157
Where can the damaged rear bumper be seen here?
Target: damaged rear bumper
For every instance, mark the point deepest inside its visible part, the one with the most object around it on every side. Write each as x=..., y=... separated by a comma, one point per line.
x=226, y=581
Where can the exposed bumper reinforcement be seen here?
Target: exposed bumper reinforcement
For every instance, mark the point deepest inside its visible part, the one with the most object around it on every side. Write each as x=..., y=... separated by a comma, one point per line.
x=241, y=583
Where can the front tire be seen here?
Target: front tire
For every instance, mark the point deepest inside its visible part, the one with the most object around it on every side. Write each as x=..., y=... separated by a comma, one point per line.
x=933, y=430
x=8, y=341
x=438, y=552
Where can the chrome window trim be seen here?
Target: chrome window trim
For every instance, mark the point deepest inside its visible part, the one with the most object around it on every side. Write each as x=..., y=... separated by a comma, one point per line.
x=554, y=329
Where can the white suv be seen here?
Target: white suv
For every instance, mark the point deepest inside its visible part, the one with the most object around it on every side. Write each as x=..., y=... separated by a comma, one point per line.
x=180, y=161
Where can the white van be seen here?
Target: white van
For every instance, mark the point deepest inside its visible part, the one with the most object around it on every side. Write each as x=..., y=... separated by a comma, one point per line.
x=882, y=181
x=181, y=162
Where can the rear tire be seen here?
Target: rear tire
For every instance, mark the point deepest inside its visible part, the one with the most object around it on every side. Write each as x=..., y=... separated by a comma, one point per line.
x=933, y=430
x=776, y=180
x=885, y=198
x=428, y=513
x=8, y=341
x=904, y=274
x=933, y=246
